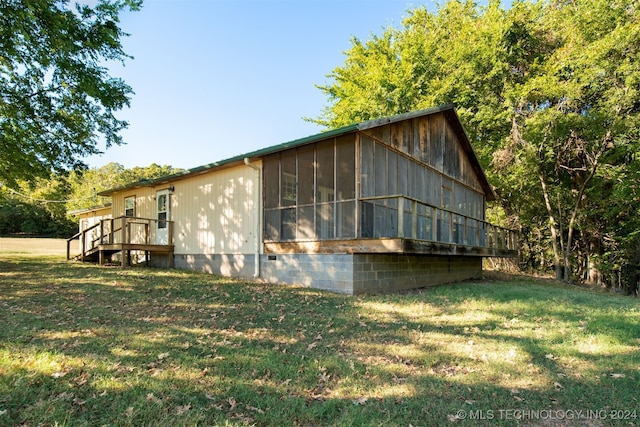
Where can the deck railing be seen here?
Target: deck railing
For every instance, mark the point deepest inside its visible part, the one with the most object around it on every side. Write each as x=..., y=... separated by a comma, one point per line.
x=405, y=217
x=122, y=230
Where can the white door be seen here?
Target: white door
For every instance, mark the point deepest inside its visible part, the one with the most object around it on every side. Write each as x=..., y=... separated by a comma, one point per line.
x=163, y=215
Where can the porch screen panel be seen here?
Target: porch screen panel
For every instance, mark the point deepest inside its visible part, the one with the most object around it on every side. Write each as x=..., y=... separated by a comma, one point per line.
x=408, y=218
x=346, y=168
x=306, y=168
x=288, y=229
x=424, y=229
x=392, y=168
x=324, y=172
x=306, y=223
x=380, y=172
x=325, y=191
x=346, y=219
x=272, y=224
x=325, y=226
x=288, y=179
x=403, y=171
x=414, y=171
x=367, y=179
x=271, y=174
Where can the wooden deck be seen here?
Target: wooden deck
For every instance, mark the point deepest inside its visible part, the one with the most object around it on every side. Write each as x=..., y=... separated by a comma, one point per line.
x=124, y=236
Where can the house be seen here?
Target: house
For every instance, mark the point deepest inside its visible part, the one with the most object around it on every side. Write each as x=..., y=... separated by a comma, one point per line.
x=88, y=222
x=377, y=206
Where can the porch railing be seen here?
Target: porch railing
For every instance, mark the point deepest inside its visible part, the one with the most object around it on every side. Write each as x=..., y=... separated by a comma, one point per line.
x=122, y=230
x=404, y=217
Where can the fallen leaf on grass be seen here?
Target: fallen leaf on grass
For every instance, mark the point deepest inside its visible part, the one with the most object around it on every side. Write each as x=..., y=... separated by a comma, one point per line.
x=182, y=409
x=232, y=403
x=152, y=398
x=453, y=418
x=618, y=375
x=81, y=379
x=254, y=409
x=60, y=374
x=360, y=401
x=558, y=386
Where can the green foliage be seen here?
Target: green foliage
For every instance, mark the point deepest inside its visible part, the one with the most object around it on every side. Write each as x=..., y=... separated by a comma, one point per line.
x=36, y=208
x=549, y=95
x=57, y=101
x=86, y=184
x=41, y=207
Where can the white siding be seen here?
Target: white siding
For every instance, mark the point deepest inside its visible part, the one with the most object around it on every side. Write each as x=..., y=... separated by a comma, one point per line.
x=144, y=198
x=215, y=213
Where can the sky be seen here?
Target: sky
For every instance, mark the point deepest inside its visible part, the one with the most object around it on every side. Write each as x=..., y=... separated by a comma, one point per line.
x=217, y=78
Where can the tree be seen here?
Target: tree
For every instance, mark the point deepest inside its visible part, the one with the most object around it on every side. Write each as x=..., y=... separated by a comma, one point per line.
x=86, y=184
x=37, y=208
x=57, y=100
x=549, y=93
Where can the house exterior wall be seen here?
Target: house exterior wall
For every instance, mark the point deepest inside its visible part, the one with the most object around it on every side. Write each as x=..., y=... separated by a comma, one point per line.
x=144, y=203
x=88, y=219
x=214, y=218
x=216, y=213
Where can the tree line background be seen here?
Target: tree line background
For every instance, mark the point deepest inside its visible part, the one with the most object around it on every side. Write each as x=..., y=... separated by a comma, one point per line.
x=44, y=206
x=548, y=92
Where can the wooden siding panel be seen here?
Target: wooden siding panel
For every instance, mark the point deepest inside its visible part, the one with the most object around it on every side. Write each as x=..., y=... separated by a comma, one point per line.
x=437, y=124
x=381, y=133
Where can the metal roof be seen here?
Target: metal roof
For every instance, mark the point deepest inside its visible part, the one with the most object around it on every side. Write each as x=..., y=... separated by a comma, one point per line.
x=446, y=108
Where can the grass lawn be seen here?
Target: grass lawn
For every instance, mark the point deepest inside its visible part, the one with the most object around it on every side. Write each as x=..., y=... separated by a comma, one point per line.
x=87, y=346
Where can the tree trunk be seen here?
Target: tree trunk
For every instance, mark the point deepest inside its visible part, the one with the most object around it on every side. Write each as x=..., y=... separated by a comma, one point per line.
x=594, y=272
x=557, y=258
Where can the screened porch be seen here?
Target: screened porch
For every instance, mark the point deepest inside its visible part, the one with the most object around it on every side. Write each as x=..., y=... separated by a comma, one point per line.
x=355, y=194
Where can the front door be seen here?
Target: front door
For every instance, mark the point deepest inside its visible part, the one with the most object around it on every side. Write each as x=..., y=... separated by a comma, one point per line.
x=162, y=215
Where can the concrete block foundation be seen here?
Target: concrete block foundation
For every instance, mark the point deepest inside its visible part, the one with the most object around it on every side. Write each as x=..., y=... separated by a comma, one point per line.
x=368, y=273
x=342, y=273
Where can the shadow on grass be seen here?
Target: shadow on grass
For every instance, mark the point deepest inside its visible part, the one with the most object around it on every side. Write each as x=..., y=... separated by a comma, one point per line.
x=94, y=346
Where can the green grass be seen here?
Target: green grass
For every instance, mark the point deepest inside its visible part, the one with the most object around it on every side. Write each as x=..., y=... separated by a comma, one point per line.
x=88, y=346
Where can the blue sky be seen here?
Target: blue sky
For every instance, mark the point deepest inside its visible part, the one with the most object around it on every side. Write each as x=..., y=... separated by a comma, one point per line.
x=218, y=78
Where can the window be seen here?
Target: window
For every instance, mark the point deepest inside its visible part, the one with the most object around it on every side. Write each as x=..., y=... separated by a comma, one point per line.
x=130, y=206
x=288, y=189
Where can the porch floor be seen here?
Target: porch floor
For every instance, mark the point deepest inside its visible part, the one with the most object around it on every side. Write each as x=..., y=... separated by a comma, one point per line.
x=103, y=251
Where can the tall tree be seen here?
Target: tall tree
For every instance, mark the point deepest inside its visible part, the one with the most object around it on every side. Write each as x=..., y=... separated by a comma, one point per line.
x=57, y=99
x=547, y=90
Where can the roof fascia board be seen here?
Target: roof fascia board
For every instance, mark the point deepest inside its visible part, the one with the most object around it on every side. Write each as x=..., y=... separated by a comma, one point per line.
x=405, y=116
